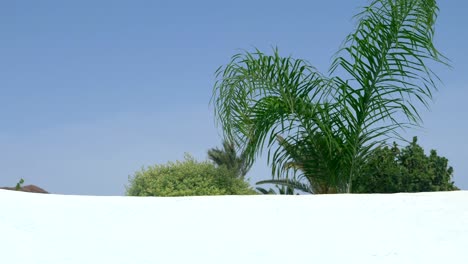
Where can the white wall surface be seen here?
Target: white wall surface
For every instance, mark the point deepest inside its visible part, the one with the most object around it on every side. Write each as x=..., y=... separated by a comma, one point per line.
x=375, y=228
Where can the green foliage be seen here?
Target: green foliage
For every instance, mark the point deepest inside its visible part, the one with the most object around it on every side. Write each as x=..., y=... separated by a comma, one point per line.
x=391, y=170
x=282, y=190
x=186, y=178
x=329, y=125
x=19, y=184
x=228, y=158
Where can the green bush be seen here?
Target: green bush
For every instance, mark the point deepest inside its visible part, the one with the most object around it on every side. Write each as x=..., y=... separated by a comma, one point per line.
x=186, y=178
x=408, y=169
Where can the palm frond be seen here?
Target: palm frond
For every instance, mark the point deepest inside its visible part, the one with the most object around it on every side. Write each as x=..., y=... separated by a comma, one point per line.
x=387, y=60
x=258, y=96
x=293, y=184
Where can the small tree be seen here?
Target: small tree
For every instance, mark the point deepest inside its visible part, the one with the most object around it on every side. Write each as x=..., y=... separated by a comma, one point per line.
x=228, y=157
x=391, y=170
x=19, y=184
x=186, y=178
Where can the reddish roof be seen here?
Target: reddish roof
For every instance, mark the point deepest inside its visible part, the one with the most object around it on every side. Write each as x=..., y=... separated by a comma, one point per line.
x=27, y=188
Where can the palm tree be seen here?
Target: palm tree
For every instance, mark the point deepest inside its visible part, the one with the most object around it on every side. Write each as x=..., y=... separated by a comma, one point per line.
x=228, y=157
x=333, y=121
x=303, y=157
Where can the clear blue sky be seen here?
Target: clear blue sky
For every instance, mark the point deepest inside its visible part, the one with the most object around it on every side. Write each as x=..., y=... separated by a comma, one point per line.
x=91, y=91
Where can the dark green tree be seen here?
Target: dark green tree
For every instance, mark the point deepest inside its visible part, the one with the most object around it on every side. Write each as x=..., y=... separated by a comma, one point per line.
x=227, y=157
x=391, y=170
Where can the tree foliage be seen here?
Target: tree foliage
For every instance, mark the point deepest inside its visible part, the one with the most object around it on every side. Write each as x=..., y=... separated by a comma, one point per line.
x=227, y=157
x=391, y=170
x=186, y=178
x=332, y=122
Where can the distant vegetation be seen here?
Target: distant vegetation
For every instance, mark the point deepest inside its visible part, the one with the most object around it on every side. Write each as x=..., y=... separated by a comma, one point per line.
x=387, y=170
x=19, y=184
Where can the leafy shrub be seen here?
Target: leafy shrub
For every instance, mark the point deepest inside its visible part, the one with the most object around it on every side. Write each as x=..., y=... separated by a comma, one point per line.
x=186, y=178
x=409, y=169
